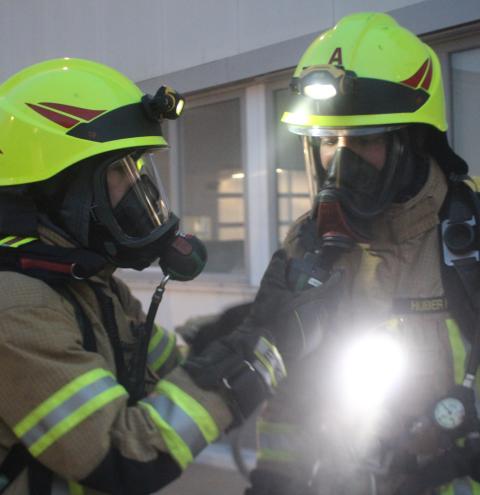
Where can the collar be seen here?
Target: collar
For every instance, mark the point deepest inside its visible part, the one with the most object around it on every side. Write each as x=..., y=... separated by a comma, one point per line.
x=404, y=221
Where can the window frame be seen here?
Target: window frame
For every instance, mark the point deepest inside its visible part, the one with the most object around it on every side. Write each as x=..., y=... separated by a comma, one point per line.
x=178, y=189
x=445, y=43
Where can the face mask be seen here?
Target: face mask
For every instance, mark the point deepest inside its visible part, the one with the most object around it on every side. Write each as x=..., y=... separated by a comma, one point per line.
x=353, y=178
x=133, y=222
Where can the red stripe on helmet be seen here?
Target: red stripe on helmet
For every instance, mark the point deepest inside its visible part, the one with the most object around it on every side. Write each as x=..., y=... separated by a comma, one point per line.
x=58, y=118
x=81, y=113
x=414, y=81
x=428, y=78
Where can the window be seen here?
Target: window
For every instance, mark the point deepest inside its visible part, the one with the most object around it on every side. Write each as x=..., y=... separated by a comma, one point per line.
x=291, y=180
x=212, y=181
x=465, y=90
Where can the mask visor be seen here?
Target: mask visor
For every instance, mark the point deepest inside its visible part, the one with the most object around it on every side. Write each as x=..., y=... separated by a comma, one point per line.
x=136, y=194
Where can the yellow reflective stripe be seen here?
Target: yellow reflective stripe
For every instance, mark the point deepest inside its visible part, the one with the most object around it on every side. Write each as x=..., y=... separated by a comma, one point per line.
x=176, y=446
x=458, y=350
x=26, y=240
x=158, y=333
x=19, y=241
x=5, y=240
x=276, y=455
x=75, y=488
x=267, y=366
x=75, y=418
x=66, y=408
x=192, y=408
x=58, y=398
x=160, y=361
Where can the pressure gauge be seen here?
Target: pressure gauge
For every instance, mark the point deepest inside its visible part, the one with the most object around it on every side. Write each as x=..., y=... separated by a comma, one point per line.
x=449, y=413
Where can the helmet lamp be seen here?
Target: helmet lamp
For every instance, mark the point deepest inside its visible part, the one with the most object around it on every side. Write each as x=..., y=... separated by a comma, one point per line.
x=321, y=82
x=166, y=104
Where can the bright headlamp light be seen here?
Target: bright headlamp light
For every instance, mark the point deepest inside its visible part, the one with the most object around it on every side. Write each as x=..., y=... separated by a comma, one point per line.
x=370, y=369
x=322, y=82
x=166, y=104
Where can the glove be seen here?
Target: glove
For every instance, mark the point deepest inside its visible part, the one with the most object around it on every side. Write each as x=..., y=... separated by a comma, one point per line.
x=245, y=367
x=201, y=331
x=454, y=463
x=297, y=321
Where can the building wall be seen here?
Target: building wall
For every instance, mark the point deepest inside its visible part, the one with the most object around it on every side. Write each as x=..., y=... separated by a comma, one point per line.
x=205, y=46
x=148, y=38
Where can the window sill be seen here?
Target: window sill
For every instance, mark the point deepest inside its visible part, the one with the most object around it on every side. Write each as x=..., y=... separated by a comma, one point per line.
x=207, y=282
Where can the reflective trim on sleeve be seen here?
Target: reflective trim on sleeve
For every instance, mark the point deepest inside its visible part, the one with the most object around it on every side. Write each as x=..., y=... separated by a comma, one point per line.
x=185, y=425
x=180, y=434
x=14, y=241
x=269, y=363
x=160, y=348
x=194, y=409
x=458, y=349
x=66, y=408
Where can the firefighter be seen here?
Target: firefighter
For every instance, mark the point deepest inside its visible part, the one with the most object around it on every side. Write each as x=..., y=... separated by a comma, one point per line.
x=93, y=398
x=369, y=107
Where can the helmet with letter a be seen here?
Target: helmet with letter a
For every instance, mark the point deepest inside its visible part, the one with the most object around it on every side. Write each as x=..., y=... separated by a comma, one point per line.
x=82, y=141
x=368, y=95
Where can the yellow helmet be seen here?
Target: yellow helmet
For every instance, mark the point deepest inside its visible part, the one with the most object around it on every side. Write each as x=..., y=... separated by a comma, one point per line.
x=79, y=142
x=59, y=112
x=366, y=71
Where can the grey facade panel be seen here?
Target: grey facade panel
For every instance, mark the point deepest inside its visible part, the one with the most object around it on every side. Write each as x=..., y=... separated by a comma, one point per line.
x=418, y=18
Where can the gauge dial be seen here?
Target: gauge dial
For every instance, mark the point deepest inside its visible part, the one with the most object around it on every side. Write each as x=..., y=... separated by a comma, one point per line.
x=449, y=413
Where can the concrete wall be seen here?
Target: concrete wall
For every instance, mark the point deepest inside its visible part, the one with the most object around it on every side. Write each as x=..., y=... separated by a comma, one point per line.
x=148, y=38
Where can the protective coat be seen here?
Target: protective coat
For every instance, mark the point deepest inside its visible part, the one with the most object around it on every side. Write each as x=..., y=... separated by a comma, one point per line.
x=395, y=281
x=66, y=405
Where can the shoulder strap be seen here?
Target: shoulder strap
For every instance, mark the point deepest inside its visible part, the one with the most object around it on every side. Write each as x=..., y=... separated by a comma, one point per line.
x=460, y=267
x=18, y=457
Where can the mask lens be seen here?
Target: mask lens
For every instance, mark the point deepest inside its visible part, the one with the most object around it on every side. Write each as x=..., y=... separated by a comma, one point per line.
x=358, y=169
x=136, y=195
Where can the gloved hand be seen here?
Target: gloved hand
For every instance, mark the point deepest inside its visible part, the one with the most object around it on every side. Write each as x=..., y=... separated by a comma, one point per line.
x=244, y=366
x=297, y=320
x=454, y=463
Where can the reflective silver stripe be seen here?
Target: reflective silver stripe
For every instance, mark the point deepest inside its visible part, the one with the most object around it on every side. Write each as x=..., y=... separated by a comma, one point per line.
x=66, y=408
x=184, y=426
x=158, y=350
x=269, y=363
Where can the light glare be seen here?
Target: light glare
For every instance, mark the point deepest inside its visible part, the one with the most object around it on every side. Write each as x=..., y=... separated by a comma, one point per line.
x=180, y=106
x=370, y=369
x=319, y=91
